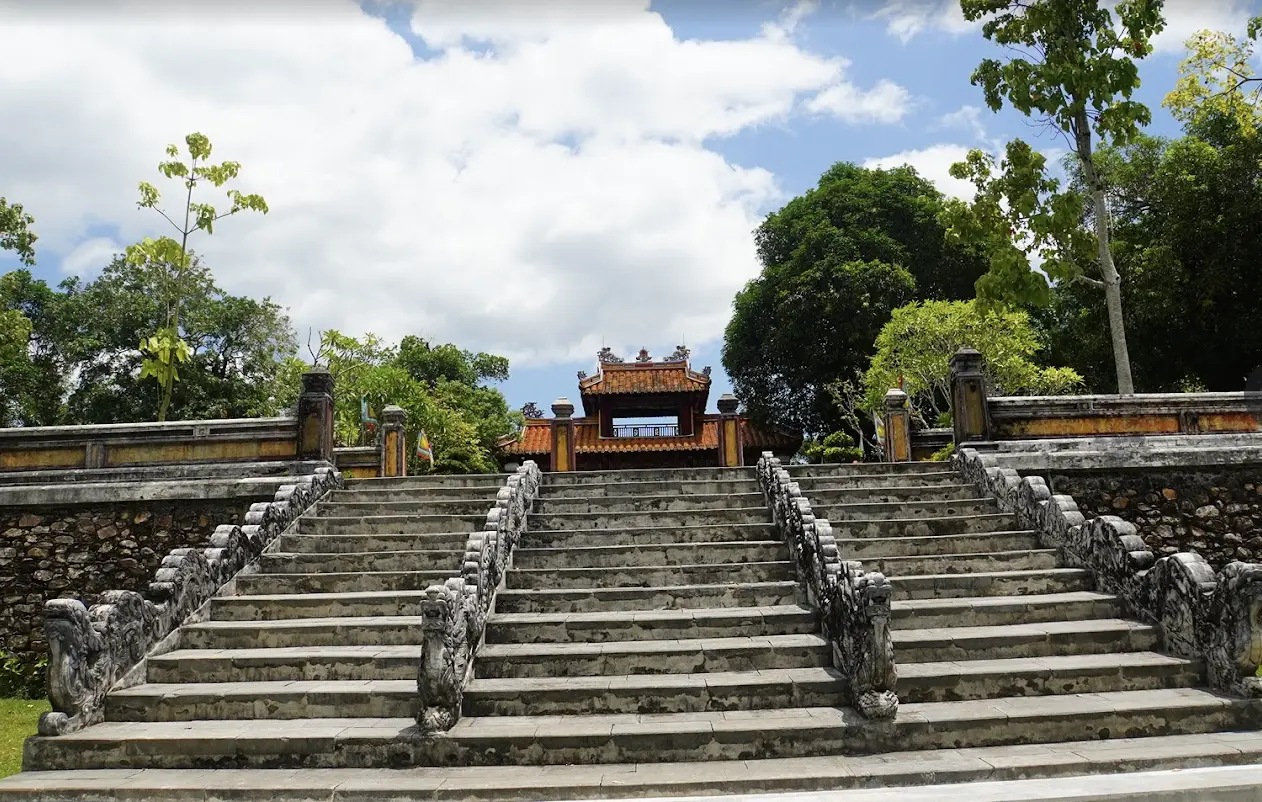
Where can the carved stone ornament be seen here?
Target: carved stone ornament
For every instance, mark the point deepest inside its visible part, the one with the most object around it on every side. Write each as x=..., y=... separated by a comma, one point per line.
x=680, y=354
x=91, y=650
x=606, y=356
x=454, y=613
x=643, y=356
x=854, y=604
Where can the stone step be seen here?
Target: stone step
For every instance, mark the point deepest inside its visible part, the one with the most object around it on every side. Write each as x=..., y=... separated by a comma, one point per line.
x=847, y=471
x=911, y=482
x=867, y=548
x=548, y=505
x=639, y=576
x=655, y=693
x=986, y=562
x=314, y=563
x=683, y=656
x=1163, y=768
x=629, y=738
x=1040, y=676
x=623, y=625
x=279, y=606
x=342, y=544
x=351, y=631
x=666, y=597
x=980, y=611
x=362, y=495
x=648, y=518
x=390, y=524
x=897, y=494
x=1092, y=636
x=455, y=507
x=288, y=664
x=996, y=583
x=446, y=482
x=923, y=527
x=358, y=582
x=635, y=476
x=685, y=487
x=623, y=556
x=902, y=510
x=284, y=699
x=566, y=538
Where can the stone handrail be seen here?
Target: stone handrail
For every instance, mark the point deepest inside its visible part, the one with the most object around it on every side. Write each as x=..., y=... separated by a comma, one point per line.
x=854, y=604
x=454, y=614
x=92, y=650
x=1202, y=615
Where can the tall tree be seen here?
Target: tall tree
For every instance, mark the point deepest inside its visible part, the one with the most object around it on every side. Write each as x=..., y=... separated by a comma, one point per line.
x=836, y=262
x=166, y=347
x=15, y=232
x=1076, y=72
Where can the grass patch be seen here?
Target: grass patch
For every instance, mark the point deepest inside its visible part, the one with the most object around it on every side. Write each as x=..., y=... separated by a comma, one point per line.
x=18, y=718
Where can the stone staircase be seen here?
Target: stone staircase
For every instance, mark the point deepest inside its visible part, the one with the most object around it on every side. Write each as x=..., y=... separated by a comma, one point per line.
x=652, y=639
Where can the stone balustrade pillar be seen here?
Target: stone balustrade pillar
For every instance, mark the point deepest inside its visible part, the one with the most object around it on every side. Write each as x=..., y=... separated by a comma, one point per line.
x=394, y=455
x=731, y=451
x=969, y=413
x=563, y=431
x=315, y=416
x=897, y=427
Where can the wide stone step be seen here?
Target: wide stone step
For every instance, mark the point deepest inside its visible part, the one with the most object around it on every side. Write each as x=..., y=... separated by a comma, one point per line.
x=1095, y=636
x=288, y=664
x=863, y=469
x=655, y=693
x=901, y=510
x=343, y=544
x=923, y=527
x=621, y=556
x=548, y=505
x=688, y=487
x=352, y=631
x=279, y=606
x=389, y=524
x=1039, y=676
x=566, y=538
x=981, y=611
x=457, y=507
x=639, y=576
x=1024, y=560
x=913, y=482
x=634, y=476
x=622, y=625
x=897, y=494
x=660, y=519
x=662, y=597
x=867, y=548
x=996, y=583
x=486, y=493
x=1177, y=768
x=429, y=560
x=429, y=482
x=301, y=699
x=683, y=656
x=357, y=582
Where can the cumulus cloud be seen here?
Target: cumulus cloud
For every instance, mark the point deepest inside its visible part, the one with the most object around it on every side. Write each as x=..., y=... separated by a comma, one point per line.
x=539, y=181
x=1186, y=17
x=905, y=19
x=933, y=163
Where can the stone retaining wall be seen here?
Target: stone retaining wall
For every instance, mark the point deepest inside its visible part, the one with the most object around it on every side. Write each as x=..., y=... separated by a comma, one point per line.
x=1216, y=512
x=83, y=550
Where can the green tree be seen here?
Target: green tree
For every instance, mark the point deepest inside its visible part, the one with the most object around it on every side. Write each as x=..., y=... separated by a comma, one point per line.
x=15, y=232
x=165, y=349
x=1217, y=80
x=836, y=261
x=916, y=346
x=1075, y=72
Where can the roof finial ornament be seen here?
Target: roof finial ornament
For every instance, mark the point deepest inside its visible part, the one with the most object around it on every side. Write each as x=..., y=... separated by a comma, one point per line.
x=644, y=356
x=680, y=354
x=608, y=357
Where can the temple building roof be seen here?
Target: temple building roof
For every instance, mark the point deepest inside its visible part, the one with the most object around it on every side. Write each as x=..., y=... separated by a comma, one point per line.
x=536, y=438
x=671, y=375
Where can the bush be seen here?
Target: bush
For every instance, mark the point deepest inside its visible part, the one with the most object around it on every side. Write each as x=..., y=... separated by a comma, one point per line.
x=943, y=454
x=835, y=447
x=22, y=680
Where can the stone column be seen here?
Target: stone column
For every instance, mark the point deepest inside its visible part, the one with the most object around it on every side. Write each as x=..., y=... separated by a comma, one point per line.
x=969, y=413
x=562, y=435
x=897, y=427
x=731, y=453
x=394, y=455
x=315, y=416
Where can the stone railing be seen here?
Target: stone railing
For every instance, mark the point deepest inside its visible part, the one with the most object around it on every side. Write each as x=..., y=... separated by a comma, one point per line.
x=454, y=614
x=854, y=604
x=1216, y=617
x=90, y=651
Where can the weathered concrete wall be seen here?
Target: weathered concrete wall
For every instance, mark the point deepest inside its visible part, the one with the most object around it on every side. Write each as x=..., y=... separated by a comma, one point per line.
x=1214, y=511
x=82, y=550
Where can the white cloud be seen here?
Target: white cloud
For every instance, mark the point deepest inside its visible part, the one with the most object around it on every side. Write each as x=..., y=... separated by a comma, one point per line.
x=1186, y=17
x=933, y=163
x=907, y=18
x=541, y=183
x=89, y=256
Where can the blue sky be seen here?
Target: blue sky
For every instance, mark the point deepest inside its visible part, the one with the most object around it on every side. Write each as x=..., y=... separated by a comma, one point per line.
x=532, y=185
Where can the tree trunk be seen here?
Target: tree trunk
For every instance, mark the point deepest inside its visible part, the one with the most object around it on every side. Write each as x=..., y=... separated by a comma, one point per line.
x=1108, y=272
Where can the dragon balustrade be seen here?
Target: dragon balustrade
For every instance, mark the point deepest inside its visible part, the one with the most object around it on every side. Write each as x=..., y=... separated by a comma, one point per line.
x=90, y=650
x=454, y=613
x=1216, y=617
x=854, y=604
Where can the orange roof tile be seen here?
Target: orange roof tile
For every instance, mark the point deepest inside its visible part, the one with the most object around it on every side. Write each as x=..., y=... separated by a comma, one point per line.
x=646, y=377
x=536, y=438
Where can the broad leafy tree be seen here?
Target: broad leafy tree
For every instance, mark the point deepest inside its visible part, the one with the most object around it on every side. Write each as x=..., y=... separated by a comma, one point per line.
x=15, y=232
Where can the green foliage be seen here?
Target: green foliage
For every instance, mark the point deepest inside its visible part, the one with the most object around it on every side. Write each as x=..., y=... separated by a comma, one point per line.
x=15, y=232
x=917, y=344
x=18, y=721
x=836, y=261
x=943, y=454
x=1217, y=80
x=22, y=679
x=837, y=447
x=165, y=351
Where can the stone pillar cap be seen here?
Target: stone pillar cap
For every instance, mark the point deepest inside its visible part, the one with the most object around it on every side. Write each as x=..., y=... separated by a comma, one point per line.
x=393, y=414
x=562, y=408
x=728, y=403
x=966, y=353
x=895, y=398
x=317, y=380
